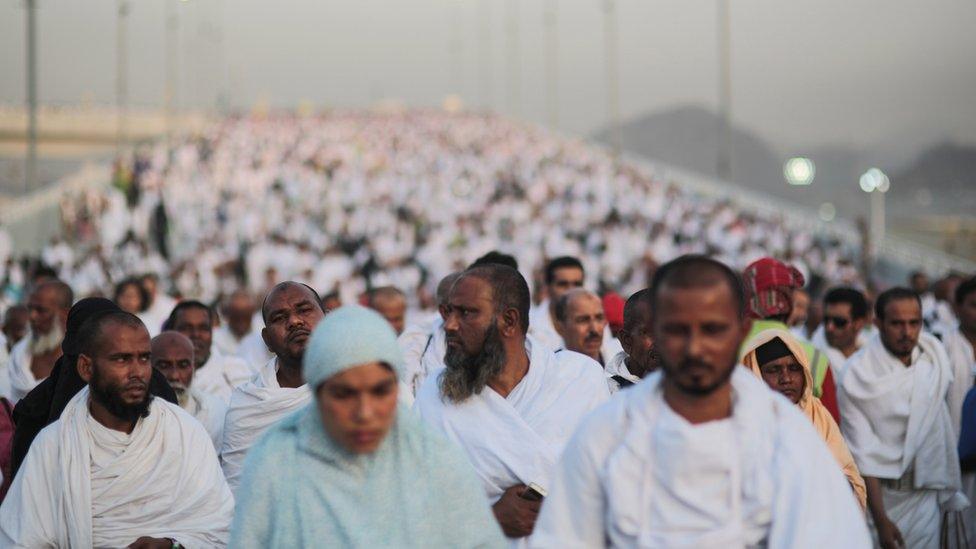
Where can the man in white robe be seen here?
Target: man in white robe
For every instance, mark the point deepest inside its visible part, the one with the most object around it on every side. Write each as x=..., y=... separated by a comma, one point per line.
x=424, y=344
x=291, y=311
x=16, y=326
x=960, y=343
x=254, y=351
x=238, y=317
x=700, y=453
x=639, y=357
x=845, y=313
x=562, y=275
x=172, y=355
x=896, y=420
x=216, y=374
x=508, y=401
x=32, y=359
x=581, y=322
x=119, y=467
x=160, y=305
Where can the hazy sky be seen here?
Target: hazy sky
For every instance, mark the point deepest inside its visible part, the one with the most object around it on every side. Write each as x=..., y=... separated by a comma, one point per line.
x=805, y=72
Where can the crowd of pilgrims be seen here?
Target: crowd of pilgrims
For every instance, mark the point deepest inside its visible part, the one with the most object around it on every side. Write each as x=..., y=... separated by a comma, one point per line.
x=423, y=329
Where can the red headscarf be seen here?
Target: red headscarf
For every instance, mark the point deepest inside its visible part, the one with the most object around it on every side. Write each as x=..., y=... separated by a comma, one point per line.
x=770, y=284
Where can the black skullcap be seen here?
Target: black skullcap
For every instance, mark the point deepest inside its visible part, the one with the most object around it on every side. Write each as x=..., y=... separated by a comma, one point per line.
x=85, y=309
x=772, y=350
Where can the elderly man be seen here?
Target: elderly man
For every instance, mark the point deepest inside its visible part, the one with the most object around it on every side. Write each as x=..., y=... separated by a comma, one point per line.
x=119, y=468
x=580, y=321
x=291, y=311
x=238, y=314
x=770, y=285
x=510, y=402
x=701, y=454
x=391, y=303
x=216, y=374
x=32, y=359
x=172, y=355
x=898, y=426
x=362, y=472
x=640, y=356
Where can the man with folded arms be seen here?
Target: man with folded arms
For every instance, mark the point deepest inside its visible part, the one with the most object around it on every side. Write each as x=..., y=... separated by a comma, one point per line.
x=119, y=468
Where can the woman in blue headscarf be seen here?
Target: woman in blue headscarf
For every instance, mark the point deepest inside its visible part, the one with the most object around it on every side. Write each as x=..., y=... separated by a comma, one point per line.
x=352, y=469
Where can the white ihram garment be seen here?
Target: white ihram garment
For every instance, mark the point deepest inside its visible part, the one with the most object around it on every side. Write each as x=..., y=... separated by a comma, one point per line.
x=897, y=425
x=636, y=474
x=517, y=439
x=84, y=485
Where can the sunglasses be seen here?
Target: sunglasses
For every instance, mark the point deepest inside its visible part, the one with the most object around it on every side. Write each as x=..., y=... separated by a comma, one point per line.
x=836, y=321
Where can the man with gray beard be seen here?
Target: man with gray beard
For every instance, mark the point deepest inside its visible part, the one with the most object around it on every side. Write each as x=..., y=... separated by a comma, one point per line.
x=32, y=359
x=172, y=355
x=509, y=401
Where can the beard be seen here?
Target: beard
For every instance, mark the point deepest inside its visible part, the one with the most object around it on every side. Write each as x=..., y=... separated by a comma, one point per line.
x=466, y=375
x=182, y=394
x=109, y=395
x=693, y=389
x=42, y=344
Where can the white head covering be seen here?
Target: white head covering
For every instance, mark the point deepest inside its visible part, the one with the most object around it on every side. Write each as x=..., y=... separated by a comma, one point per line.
x=348, y=337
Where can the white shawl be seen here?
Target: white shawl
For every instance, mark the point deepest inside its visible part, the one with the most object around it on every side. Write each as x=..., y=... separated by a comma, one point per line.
x=636, y=474
x=22, y=380
x=518, y=439
x=165, y=483
x=210, y=411
x=963, y=361
x=895, y=418
x=221, y=374
x=254, y=407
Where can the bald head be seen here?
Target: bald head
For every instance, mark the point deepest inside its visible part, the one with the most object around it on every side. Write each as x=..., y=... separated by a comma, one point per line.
x=444, y=288
x=172, y=355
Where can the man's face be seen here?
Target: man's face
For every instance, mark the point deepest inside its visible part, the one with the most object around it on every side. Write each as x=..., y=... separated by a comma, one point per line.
x=698, y=332
x=966, y=312
x=119, y=374
x=920, y=284
x=564, y=280
x=470, y=312
x=582, y=330
x=394, y=310
x=331, y=303
x=240, y=312
x=840, y=328
x=149, y=283
x=130, y=300
x=801, y=305
x=175, y=361
x=785, y=376
x=15, y=326
x=901, y=326
x=45, y=311
x=358, y=406
x=638, y=341
x=194, y=323
x=292, y=314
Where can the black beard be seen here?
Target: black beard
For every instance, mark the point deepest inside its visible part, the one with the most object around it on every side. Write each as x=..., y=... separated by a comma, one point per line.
x=108, y=395
x=467, y=375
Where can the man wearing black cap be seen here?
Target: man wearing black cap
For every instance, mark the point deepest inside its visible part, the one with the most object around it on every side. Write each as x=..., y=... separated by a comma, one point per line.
x=44, y=404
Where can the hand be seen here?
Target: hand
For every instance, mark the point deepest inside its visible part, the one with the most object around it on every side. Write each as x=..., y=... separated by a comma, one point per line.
x=146, y=542
x=889, y=535
x=515, y=514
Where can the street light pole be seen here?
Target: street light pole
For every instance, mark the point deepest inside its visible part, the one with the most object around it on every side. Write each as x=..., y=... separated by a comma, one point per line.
x=550, y=21
x=486, y=56
x=723, y=166
x=612, y=74
x=121, y=77
x=169, y=96
x=514, y=59
x=30, y=181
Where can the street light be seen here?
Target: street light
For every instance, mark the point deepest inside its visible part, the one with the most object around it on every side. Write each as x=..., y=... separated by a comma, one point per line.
x=876, y=183
x=799, y=171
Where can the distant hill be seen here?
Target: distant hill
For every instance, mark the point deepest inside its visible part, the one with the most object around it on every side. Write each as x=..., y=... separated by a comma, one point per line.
x=926, y=179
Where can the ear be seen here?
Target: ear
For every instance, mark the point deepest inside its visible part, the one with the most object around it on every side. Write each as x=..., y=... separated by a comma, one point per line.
x=85, y=367
x=746, y=327
x=264, y=336
x=625, y=340
x=509, y=323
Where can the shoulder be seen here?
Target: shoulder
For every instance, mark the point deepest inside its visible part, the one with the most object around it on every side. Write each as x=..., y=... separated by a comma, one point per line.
x=186, y=422
x=577, y=368
x=49, y=437
x=279, y=438
x=429, y=398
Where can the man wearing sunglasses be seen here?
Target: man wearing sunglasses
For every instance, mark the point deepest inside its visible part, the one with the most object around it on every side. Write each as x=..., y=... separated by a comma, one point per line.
x=845, y=314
